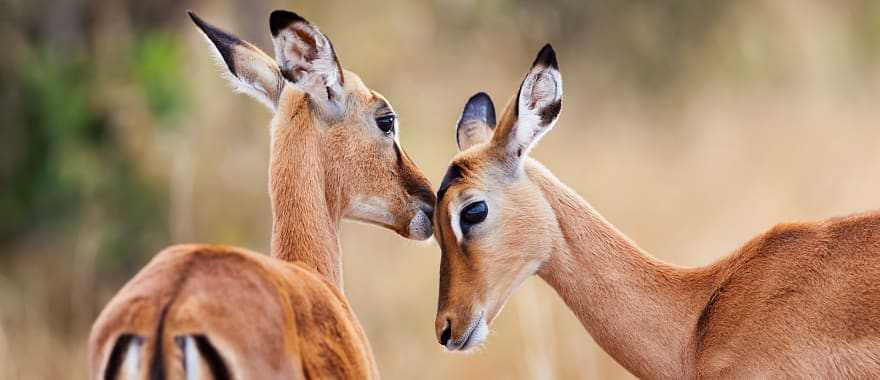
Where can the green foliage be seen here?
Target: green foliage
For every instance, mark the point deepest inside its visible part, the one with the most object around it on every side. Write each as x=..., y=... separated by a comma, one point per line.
x=56, y=120
x=156, y=66
x=71, y=163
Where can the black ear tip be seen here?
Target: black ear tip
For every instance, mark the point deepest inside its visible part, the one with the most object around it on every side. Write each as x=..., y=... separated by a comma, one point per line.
x=547, y=57
x=480, y=97
x=480, y=107
x=280, y=19
x=196, y=19
x=222, y=40
x=217, y=35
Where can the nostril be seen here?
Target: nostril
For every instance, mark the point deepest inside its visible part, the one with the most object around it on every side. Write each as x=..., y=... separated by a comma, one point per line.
x=428, y=210
x=447, y=333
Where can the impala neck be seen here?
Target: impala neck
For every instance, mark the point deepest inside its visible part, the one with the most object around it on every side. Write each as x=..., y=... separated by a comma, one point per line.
x=305, y=210
x=639, y=310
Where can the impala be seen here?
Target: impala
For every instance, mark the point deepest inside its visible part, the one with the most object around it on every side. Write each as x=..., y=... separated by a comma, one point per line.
x=800, y=300
x=200, y=311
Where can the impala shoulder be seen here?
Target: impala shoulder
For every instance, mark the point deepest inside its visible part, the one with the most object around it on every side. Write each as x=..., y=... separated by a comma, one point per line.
x=758, y=266
x=777, y=269
x=815, y=241
x=863, y=228
x=792, y=237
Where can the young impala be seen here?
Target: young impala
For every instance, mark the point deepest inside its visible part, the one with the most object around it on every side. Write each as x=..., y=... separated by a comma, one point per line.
x=801, y=300
x=199, y=311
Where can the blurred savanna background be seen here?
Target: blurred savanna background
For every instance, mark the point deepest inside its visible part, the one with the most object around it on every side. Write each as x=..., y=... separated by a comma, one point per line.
x=691, y=125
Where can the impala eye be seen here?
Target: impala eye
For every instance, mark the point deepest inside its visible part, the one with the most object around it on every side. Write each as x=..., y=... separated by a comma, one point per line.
x=386, y=123
x=473, y=214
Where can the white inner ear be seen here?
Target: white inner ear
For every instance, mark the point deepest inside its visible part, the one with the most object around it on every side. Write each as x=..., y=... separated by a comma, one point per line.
x=285, y=49
x=541, y=88
x=325, y=63
x=320, y=72
x=545, y=87
x=319, y=77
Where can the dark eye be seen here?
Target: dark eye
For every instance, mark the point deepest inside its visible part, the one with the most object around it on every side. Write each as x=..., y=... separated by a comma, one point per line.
x=386, y=123
x=473, y=214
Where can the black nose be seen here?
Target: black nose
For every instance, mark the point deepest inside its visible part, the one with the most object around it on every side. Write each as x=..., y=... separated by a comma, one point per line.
x=428, y=210
x=447, y=334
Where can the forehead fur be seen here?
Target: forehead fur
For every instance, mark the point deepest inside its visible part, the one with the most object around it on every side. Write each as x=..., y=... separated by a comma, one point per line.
x=466, y=169
x=360, y=93
x=354, y=84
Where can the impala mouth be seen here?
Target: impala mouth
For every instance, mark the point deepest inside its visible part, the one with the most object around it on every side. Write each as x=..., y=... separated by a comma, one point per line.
x=474, y=336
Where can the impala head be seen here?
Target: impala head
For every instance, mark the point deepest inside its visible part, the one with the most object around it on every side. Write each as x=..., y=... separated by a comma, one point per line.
x=325, y=117
x=494, y=225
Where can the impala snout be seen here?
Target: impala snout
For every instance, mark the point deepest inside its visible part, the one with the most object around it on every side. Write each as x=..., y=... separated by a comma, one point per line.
x=461, y=334
x=421, y=226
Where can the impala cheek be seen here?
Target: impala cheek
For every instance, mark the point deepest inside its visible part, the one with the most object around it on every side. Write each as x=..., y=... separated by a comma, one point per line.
x=371, y=209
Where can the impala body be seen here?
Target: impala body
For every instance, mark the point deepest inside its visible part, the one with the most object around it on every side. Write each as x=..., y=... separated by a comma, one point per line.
x=800, y=300
x=201, y=311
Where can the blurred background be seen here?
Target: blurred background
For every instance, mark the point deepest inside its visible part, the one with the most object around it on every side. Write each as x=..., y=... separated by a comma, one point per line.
x=691, y=125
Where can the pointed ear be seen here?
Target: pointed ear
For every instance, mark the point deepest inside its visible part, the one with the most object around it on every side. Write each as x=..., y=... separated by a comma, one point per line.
x=535, y=108
x=307, y=58
x=477, y=122
x=249, y=69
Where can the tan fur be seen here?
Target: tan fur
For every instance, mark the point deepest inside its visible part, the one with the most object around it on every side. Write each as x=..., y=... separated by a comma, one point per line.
x=267, y=318
x=800, y=300
x=282, y=316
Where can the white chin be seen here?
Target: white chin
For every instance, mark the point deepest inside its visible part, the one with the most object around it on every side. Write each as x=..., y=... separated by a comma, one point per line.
x=478, y=337
x=420, y=226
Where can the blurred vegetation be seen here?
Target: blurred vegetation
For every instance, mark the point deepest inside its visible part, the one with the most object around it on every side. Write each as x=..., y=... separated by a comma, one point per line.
x=117, y=138
x=157, y=64
x=45, y=176
x=68, y=161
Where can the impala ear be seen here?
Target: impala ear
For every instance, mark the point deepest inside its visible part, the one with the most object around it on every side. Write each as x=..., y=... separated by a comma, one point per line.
x=535, y=109
x=477, y=122
x=307, y=58
x=249, y=69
